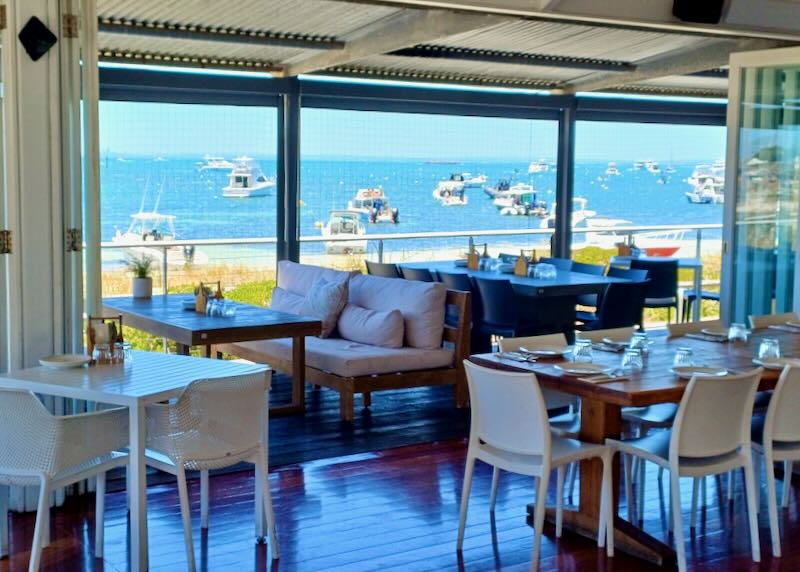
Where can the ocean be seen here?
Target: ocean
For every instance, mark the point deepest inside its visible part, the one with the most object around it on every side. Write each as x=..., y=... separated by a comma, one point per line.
x=175, y=186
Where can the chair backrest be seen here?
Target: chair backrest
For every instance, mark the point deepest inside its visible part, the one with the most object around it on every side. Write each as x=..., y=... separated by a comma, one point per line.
x=663, y=276
x=497, y=301
x=675, y=330
x=621, y=305
x=419, y=274
x=227, y=411
x=634, y=275
x=563, y=264
x=584, y=268
x=456, y=281
x=552, y=399
x=616, y=334
x=381, y=269
x=772, y=319
x=508, y=411
x=714, y=415
x=782, y=422
x=27, y=433
x=508, y=258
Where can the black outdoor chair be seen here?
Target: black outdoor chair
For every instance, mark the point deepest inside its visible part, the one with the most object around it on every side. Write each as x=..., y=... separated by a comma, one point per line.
x=381, y=269
x=561, y=264
x=621, y=306
x=479, y=341
x=508, y=258
x=587, y=317
x=662, y=288
x=593, y=269
x=419, y=274
x=689, y=297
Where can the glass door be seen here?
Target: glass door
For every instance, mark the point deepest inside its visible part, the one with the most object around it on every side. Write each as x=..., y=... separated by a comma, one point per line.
x=763, y=165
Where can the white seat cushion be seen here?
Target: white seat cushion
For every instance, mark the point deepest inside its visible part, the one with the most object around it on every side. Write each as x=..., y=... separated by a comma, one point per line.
x=351, y=359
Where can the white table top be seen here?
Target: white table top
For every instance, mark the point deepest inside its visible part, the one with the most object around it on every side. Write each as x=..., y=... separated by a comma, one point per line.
x=148, y=377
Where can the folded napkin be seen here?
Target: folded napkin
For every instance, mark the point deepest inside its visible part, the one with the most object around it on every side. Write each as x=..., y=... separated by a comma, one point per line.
x=616, y=349
x=707, y=338
x=785, y=328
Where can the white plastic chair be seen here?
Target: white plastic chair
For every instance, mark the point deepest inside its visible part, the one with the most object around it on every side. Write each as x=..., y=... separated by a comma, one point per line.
x=509, y=430
x=766, y=320
x=597, y=336
x=38, y=448
x=215, y=423
x=776, y=437
x=711, y=435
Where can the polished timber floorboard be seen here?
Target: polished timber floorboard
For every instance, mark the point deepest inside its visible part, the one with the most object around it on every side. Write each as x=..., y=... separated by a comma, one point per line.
x=394, y=510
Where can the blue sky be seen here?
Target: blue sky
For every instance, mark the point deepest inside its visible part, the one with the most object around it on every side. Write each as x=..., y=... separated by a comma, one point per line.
x=153, y=129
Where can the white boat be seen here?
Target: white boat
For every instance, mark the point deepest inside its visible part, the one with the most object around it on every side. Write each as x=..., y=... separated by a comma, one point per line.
x=344, y=224
x=499, y=187
x=579, y=213
x=373, y=204
x=708, y=184
x=540, y=166
x=456, y=198
x=447, y=189
x=605, y=233
x=160, y=159
x=146, y=230
x=247, y=180
x=211, y=162
x=637, y=165
x=612, y=170
x=652, y=167
x=520, y=200
x=476, y=181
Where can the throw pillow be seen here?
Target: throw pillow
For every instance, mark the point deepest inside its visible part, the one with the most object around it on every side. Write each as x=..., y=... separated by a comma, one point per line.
x=325, y=301
x=372, y=327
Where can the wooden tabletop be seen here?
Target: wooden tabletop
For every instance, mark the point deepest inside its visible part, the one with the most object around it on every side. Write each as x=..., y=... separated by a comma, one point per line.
x=564, y=284
x=164, y=316
x=655, y=384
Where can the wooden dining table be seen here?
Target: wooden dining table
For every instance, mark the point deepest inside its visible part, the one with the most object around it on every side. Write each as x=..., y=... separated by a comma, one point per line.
x=602, y=403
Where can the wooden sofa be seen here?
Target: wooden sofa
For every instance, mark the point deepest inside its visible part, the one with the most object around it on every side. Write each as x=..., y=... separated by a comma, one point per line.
x=456, y=337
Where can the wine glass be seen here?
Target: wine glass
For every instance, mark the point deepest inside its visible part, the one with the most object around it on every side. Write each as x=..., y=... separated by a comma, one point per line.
x=769, y=349
x=582, y=352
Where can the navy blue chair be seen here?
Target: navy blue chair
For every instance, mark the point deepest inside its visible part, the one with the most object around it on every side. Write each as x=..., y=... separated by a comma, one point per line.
x=593, y=269
x=662, y=288
x=620, y=306
x=419, y=274
x=480, y=342
x=561, y=264
x=689, y=297
x=631, y=274
x=381, y=269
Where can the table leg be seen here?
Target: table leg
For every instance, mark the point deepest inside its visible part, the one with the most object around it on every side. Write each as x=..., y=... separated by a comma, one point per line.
x=137, y=488
x=183, y=349
x=698, y=288
x=298, y=404
x=599, y=421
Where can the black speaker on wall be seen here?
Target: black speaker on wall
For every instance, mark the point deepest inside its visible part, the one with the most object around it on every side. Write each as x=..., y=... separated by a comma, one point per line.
x=698, y=11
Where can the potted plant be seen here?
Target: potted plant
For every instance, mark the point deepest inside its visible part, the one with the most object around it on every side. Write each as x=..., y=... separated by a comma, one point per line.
x=141, y=266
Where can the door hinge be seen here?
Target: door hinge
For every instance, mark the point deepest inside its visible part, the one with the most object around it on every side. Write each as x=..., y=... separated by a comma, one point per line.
x=5, y=242
x=3, y=20
x=74, y=240
x=70, y=26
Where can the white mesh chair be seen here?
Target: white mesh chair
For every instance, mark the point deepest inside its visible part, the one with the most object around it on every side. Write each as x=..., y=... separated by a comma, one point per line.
x=40, y=449
x=215, y=423
x=776, y=437
x=711, y=435
x=509, y=431
x=767, y=320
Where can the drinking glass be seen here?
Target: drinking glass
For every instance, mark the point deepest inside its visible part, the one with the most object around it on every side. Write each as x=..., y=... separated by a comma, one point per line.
x=582, y=352
x=228, y=309
x=683, y=357
x=640, y=341
x=738, y=333
x=769, y=349
x=632, y=360
x=101, y=353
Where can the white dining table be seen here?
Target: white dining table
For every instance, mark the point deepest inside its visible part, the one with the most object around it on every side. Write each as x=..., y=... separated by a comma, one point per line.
x=146, y=378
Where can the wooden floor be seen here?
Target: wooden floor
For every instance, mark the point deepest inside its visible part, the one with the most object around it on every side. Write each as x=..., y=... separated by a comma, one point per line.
x=394, y=510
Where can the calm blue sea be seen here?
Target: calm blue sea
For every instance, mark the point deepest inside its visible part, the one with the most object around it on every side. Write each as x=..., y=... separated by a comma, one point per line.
x=175, y=186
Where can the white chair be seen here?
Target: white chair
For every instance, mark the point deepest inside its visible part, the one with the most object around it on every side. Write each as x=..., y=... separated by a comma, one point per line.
x=38, y=448
x=509, y=430
x=215, y=423
x=757, y=322
x=776, y=437
x=711, y=435
x=597, y=336
x=681, y=329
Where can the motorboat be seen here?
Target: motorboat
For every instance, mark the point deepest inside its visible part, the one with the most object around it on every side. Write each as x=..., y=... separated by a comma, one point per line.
x=638, y=165
x=652, y=167
x=211, y=162
x=247, y=180
x=147, y=230
x=520, y=200
x=612, y=170
x=540, y=166
x=449, y=188
x=455, y=198
x=373, y=204
x=607, y=232
x=344, y=224
x=476, y=181
x=579, y=213
x=708, y=184
x=499, y=187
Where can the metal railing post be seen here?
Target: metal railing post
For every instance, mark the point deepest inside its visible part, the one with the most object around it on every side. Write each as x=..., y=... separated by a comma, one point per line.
x=380, y=251
x=164, y=269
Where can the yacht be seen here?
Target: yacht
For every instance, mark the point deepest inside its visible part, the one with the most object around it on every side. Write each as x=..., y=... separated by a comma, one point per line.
x=455, y=198
x=612, y=170
x=372, y=203
x=540, y=166
x=477, y=181
x=344, y=224
x=210, y=162
x=652, y=167
x=520, y=200
x=447, y=188
x=499, y=187
x=146, y=230
x=579, y=213
x=708, y=184
x=247, y=180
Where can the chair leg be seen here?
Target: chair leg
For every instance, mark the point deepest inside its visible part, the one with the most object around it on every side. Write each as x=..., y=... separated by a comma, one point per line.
x=366, y=399
x=626, y=462
x=787, y=483
x=675, y=509
x=266, y=494
x=3, y=521
x=607, y=507
x=757, y=476
x=640, y=489
x=752, y=513
x=573, y=473
x=99, y=515
x=495, y=481
x=462, y=513
x=731, y=477
x=703, y=493
x=695, y=492
x=559, y=500
x=46, y=526
x=128, y=487
x=772, y=506
x=204, y=499
x=538, y=520
x=347, y=409
x=41, y=522
x=183, y=494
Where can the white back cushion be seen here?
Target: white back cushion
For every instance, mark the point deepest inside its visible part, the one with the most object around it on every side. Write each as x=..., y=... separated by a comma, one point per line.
x=285, y=301
x=374, y=327
x=325, y=301
x=421, y=303
x=299, y=278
